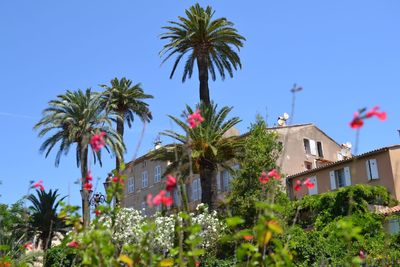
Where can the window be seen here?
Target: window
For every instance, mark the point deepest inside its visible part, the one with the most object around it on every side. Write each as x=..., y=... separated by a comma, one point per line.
x=157, y=174
x=196, y=189
x=320, y=150
x=308, y=165
x=177, y=199
x=226, y=178
x=394, y=226
x=131, y=185
x=144, y=164
x=372, y=169
x=145, y=179
x=307, y=146
x=340, y=178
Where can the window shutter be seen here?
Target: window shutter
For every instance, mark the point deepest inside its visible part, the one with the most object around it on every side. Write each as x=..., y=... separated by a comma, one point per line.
x=313, y=148
x=199, y=189
x=347, y=176
x=314, y=190
x=333, y=180
x=219, y=177
x=374, y=169
x=368, y=166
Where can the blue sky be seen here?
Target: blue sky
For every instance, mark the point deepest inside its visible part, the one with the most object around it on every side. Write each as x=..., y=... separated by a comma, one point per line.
x=345, y=54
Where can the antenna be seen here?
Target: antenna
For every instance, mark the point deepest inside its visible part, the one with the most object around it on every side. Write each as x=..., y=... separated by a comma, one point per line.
x=294, y=90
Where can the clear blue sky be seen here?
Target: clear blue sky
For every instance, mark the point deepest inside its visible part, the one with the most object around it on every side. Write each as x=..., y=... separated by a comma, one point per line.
x=345, y=54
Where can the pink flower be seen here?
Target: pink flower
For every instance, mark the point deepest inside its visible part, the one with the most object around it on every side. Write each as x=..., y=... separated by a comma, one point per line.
x=362, y=254
x=298, y=185
x=263, y=178
x=149, y=200
x=161, y=198
x=73, y=244
x=38, y=184
x=87, y=186
x=357, y=122
x=195, y=119
x=89, y=176
x=171, y=183
x=97, y=141
x=374, y=112
x=308, y=183
x=28, y=246
x=247, y=237
x=274, y=173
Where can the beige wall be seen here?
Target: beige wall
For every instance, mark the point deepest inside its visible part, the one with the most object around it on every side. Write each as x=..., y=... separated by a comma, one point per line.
x=358, y=172
x=294, y=157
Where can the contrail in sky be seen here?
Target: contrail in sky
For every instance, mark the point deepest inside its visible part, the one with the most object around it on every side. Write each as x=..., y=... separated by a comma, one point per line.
x=6, y=114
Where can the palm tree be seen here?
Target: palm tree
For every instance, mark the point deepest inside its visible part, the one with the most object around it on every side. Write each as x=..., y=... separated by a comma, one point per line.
x=73, y=118
x=209, y=42
x=210, y=146
x=125, y=100
x=44, y=219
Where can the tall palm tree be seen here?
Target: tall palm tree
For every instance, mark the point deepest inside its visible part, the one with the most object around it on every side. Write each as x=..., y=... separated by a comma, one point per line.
x=209, y=42
x=125, y=100
x=44, y=219
x=72, y=119
x=209, y=146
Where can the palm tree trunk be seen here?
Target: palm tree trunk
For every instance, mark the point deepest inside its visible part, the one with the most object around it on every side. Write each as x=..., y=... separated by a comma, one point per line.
x=202, y=66
x=85, y=194
x=209, y=191
x=120, y=131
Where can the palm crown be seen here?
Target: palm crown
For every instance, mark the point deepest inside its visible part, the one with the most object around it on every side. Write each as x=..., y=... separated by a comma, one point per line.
x=73, y=118
x=125, y=99
x=44, y=219
x=209, y=144
x=207, y=41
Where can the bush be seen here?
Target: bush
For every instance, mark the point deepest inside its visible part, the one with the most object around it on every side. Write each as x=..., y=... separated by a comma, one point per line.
x=59, y=256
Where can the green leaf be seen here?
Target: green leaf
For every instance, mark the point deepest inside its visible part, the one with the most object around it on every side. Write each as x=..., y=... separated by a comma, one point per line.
x=234, y=221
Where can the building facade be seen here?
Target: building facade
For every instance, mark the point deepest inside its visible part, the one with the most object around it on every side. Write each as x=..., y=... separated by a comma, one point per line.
x=377, y=167
x=305, y=147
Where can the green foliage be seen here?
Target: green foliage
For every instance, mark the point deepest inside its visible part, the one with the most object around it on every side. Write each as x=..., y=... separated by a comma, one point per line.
x=13, y=234
x=59, y=256
x=260, y=153
x=318, y=210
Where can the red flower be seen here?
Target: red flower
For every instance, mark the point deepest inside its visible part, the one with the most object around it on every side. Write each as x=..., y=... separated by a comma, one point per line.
x=87, y=186
x=161, y=198
x=197, y=263
x=298, y=185
x=89, y=176
x=149, y=200
x=247, y=237
x=274, y=173
x=73, y=244
x=97, y=141
x=97, y=212
x=357, y=122
x=171, y=183
x=116, y=179
x=38, y=184
x=28, y=246
x=263, y=178
x=374, y=112
x=195, y=119
x=308, y=183
x=6, y=264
